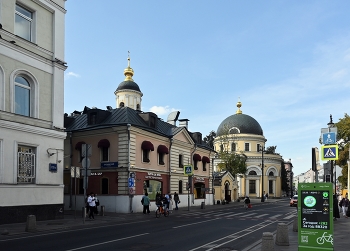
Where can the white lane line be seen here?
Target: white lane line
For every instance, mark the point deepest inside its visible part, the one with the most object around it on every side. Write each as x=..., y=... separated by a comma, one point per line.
x=261, y=215
x=248, y=230
x=101, y=243
x=275, y=216
x=233, y=215
x=194, y=223
x=289, y=217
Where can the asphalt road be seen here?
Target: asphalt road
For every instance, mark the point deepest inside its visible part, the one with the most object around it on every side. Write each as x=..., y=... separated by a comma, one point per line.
x=217, y=228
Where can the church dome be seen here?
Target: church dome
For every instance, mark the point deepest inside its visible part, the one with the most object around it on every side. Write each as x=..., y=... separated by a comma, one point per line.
x=239, y=123
x=128, y=85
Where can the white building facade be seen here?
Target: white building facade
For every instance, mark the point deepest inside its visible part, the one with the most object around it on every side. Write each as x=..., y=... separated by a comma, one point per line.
x=31, y=109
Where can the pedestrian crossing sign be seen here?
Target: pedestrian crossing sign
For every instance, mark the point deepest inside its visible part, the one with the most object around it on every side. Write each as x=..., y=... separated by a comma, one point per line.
x=188, y=170
x=329, y=152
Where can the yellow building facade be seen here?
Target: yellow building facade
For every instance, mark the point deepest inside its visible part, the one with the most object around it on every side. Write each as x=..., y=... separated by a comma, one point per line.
x=242, y=134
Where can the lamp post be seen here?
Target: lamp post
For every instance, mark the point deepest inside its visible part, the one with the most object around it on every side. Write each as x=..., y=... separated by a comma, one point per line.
x=213, y=173
x=331, y=125
x=262, y=148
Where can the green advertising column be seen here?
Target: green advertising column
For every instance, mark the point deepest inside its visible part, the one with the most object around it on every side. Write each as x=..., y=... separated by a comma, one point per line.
x=315, y=216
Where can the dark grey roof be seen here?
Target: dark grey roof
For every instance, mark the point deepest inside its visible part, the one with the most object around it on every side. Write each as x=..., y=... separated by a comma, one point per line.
x=128, y=85
x=123, y=116
x=245, y=124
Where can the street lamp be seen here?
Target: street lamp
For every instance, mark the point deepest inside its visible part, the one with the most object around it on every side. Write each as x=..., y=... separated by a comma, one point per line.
x=331, y=125
x=212, y=166
x=262, y=148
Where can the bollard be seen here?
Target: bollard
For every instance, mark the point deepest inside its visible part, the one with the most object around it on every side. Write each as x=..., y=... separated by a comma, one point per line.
x=102, y=211
x=31, y=223
x=282, y=237
x=295, y=225
x=202, y=205
x=267, y=242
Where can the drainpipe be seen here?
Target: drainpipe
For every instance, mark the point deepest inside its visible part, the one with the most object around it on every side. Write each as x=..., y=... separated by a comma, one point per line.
x=194, y=150
x=130, y=195
x=171, y=143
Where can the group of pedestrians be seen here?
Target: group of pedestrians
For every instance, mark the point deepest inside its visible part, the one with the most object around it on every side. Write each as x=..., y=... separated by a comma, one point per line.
x=91, y=205
x=163, y=200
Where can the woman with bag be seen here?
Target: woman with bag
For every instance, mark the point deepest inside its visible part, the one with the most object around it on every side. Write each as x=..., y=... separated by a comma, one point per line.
x=247, y=202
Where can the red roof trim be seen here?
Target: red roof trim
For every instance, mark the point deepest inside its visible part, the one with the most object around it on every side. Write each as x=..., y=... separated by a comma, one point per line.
x=103, y=143
x=205, y=159
x=162, y=149
x=197, y=157
x=147, y=145
x=79, y=144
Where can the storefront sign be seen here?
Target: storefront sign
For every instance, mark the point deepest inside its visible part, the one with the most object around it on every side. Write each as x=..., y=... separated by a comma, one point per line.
x=315, y=216
x=198, y=179
x=154, y=176
x=96, y=174
x=53, y=167
x=109, y=164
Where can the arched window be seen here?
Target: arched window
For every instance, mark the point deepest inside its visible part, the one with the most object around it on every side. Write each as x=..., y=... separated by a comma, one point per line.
x=138, y=107
x=121, y=104
x=252, y=173
x=22, y=96
x=233, y=147
x=271, y=174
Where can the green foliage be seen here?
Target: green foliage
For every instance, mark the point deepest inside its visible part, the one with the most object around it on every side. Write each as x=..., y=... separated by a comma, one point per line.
x=209, y=139
x=343, y=127
x=284, y=178
x=233, y=162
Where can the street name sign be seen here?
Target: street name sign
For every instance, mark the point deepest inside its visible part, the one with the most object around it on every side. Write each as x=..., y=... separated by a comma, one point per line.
x=315, y=216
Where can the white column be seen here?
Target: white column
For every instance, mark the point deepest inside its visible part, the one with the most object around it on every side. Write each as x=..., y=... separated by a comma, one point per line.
x=246, y=187
x=257, y=185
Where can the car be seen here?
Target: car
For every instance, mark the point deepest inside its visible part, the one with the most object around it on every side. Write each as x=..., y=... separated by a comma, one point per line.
x=294, y=201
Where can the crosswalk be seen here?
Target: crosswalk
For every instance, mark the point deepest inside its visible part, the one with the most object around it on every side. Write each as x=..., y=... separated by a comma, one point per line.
x=240, y=216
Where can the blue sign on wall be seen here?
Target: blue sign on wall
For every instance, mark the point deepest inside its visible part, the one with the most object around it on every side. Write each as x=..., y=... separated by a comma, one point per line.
x=328, y=138
x=109, y=164
x=52, y=167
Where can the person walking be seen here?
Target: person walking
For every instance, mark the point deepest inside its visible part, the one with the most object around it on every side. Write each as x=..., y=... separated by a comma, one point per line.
x=170, y=199
x=246, y=202
x=177, y=200
x=91, y=200
x=344, y=205
x=266, y=196
x=146, y=203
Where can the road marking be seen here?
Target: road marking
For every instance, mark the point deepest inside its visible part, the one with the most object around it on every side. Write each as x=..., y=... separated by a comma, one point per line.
x=249, y=230
x=194, y=223
x=101, y=243
x=261, y=215
x=290, y=216
x=275, y=216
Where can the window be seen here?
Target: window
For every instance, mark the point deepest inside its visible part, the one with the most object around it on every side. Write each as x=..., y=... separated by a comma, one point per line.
x=252, y=188
x=22, y=96
x=180, y=186
x=105, y=186
x=121, y=104
x=252, y=173
x=246, y=147
x=92, y=118
x=104, y=153
x=23, y=23
x=221, y=148
x=195, y=164
x=204, y=166
x=161, y=158
x=181, y=165
x=270, y=186
x=145, y=155
x=258, y=147
x=26, y=164
x=233, y=147
x=271, y=173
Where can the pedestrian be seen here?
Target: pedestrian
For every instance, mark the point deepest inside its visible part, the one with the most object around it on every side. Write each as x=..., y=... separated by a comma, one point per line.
x=264, y=196
x=177, y=200
x=335, y=208
x=170, y=206
x=91, y=200
x=267, y=196
x=344, y=203
x=246, y=202
x=97, y=202
x=146, y=203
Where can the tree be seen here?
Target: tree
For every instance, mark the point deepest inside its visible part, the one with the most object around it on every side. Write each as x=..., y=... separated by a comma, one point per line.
x=284, y=179
x=231, y=161
x=343, y=137
x=209, y=139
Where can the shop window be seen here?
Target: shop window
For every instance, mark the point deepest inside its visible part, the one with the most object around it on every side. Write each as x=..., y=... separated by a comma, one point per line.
x=104, y=186
x=154, y=187
x=198, y=193
x=252, y=186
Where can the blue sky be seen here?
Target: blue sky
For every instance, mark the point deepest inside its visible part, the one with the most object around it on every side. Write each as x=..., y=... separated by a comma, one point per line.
x=288, y=61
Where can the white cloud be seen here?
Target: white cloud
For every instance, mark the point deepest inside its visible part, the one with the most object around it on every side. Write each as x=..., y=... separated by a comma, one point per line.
x=72, y=74
x=162, y=110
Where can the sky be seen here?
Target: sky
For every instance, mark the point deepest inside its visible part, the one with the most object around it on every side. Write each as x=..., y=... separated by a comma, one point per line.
x=288, y=62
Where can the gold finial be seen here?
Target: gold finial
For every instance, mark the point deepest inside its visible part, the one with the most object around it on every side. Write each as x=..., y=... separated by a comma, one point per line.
x=239, y=104
x=128, y=72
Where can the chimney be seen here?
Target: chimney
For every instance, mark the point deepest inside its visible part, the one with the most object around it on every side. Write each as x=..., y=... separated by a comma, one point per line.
x=183, y=123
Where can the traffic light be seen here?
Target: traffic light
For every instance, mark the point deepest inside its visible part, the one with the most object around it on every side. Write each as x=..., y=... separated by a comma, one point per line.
x=313, y=155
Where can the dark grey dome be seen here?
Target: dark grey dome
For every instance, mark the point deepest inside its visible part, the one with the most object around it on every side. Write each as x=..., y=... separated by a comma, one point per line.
x=239, y=123
x=128, y=85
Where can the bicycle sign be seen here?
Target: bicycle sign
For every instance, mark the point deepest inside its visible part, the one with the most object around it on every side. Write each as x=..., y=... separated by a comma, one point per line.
x=315, y=216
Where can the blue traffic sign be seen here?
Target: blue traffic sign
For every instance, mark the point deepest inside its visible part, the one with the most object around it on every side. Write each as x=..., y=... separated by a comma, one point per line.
x=328, y=138
x=188, y=170
x=131, y=182
x=329, y=152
